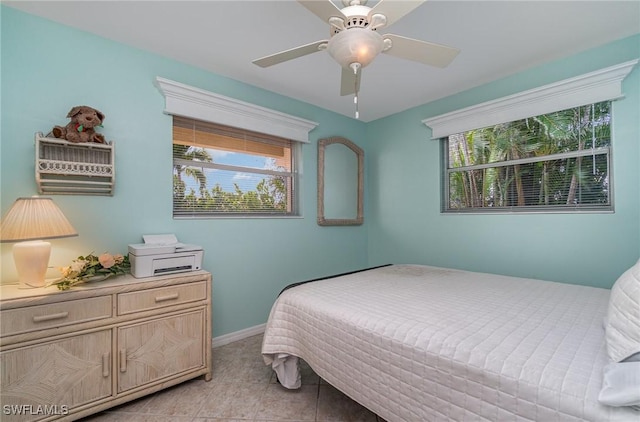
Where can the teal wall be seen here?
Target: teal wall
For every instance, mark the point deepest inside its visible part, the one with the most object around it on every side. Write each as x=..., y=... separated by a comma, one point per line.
x=404, y=168
x=251, y=260
x=48, y=68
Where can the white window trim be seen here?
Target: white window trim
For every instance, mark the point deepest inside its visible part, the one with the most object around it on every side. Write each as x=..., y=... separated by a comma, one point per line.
x=187, y=101
x=600, y=85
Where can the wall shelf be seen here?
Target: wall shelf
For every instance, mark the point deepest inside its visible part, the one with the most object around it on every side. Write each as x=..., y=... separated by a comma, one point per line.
x=67, y=168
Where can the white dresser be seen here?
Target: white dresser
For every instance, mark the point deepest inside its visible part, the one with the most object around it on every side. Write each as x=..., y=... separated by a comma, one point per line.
x=68, y=354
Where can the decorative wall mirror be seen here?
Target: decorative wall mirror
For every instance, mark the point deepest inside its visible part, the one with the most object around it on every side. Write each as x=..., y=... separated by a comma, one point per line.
x=340, y=182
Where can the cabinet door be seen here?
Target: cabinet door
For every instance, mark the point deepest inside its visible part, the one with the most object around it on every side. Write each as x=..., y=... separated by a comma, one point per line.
x=54, y=377
x=160, y=348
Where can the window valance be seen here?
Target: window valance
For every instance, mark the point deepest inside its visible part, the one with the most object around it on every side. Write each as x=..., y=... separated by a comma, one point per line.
x=187, y=101
x=601, y=85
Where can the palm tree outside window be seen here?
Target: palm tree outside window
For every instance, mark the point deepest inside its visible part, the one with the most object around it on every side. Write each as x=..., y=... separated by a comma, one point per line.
x=558, y=161
x=225, y=171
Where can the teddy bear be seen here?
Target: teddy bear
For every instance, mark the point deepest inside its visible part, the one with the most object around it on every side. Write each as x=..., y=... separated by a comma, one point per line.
x=81, y=127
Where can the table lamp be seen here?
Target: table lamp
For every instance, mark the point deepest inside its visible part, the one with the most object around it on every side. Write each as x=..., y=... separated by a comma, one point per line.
x=28, y=222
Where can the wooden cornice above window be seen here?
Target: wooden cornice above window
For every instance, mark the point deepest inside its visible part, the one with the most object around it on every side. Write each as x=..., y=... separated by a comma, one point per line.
x=184, y=100
x=600, y=85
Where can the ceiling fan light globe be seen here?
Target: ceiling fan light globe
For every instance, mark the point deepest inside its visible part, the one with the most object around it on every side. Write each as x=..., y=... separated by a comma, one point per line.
x=355, y=45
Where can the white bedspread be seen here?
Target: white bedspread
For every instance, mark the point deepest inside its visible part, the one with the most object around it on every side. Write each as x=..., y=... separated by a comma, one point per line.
x=419, y=343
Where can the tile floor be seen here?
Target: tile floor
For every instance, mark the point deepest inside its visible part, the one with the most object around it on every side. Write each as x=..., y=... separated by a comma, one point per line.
x=243, y=389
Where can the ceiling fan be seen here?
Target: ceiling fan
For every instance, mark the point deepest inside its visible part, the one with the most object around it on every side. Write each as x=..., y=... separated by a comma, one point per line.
x=355, y=41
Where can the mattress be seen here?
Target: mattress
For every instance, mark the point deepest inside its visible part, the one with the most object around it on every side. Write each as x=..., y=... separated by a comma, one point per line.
x=421, y=343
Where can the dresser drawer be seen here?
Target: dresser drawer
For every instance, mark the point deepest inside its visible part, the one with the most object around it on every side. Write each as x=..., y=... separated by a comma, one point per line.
x=161, y=297
x=40, y=317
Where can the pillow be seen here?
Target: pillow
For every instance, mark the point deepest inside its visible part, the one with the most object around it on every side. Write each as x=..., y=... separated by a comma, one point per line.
x=622, y=331
x=621, y=384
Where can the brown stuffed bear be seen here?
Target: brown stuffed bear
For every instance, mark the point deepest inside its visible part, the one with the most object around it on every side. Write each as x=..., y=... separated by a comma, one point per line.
x=81, y=126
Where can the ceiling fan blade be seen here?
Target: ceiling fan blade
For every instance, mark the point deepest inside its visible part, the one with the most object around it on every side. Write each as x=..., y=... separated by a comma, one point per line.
x=421, y=51
x=324, y=9
x=394, y=9
x=293, y=53
x=350, y=82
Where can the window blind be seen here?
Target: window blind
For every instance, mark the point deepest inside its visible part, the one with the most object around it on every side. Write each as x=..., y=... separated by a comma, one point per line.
x=210, y=135
x=223, y=170
x=558, y=162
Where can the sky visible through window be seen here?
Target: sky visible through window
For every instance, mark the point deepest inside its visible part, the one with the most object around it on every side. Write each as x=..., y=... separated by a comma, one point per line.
x=226, y=179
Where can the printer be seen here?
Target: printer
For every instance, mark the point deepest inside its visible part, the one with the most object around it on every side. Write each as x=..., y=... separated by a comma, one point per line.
x=162, y=254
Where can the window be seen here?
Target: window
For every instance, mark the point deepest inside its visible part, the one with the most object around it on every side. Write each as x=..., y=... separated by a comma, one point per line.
x=497, y=157
x=556, y=161
x=222, y=170
x=232, y=158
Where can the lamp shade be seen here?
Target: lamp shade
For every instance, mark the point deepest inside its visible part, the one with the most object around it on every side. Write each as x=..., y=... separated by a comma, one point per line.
x=35, y=218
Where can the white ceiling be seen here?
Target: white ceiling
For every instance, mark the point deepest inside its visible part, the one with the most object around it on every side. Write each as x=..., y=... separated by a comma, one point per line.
x=497, y=39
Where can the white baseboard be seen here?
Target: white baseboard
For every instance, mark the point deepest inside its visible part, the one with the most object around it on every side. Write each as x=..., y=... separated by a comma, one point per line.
x=238, y=335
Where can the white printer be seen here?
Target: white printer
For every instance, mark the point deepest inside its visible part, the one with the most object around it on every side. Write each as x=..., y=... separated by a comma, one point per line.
x=163, y=254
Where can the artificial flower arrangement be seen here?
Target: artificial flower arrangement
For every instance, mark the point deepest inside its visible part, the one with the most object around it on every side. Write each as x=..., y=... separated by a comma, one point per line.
x=92, y=268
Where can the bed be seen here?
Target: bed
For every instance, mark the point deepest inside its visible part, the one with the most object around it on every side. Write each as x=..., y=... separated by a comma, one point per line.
x=422, y=343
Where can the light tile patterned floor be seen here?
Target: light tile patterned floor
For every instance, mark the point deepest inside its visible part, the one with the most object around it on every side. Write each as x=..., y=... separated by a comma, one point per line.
x=243, y=389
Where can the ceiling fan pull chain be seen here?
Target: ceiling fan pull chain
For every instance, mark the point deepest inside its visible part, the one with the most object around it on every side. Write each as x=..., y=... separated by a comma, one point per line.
x=355, y=89
x=356, y=68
